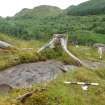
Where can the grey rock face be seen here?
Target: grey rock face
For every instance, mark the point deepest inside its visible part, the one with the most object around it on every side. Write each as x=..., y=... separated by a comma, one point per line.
x=25, y=75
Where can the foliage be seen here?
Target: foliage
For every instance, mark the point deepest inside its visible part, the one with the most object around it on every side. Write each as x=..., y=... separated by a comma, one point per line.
x=42, y=22
x=91, y=7
x=11, y=57
x=37, y=26
x=57, y=93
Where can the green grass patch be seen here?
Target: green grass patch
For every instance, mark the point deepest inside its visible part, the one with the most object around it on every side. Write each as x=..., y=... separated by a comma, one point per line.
x=58, y=93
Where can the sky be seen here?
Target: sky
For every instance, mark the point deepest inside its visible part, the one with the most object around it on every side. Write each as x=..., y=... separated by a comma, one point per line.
x=11, y=7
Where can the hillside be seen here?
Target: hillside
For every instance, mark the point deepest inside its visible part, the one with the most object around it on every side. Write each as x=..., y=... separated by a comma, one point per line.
x=43, y=28
x=54, y=92
x=40, y=11
x=41, y=22
x=91, y=7
x=22, y=66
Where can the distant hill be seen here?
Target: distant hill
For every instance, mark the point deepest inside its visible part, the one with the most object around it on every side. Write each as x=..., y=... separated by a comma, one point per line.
x=41, y=22
x=91, y=7
x=40, y=11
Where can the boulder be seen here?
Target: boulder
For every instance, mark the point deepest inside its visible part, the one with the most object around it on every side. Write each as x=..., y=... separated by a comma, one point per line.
x=5, y=44
x=5, y=88
x=97, y=45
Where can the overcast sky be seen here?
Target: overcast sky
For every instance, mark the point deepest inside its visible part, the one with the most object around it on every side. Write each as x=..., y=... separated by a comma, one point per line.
x=11, y=7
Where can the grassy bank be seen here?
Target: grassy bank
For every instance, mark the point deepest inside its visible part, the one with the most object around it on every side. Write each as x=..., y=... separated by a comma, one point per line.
x=10, y=57
x=13, y=57
x=57, y=93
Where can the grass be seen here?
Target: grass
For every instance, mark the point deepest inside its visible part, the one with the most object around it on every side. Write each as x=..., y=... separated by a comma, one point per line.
x=13, y=57
x=56, y=92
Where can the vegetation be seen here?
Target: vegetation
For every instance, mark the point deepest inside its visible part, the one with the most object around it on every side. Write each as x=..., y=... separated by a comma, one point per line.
x=40, y=23
x=31, y=28
x=40, y=11
x=57, y=93
x=11, y=57
x=91, y=7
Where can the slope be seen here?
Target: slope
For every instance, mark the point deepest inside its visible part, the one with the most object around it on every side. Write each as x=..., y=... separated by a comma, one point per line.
x=91, y=7
x=40, y=11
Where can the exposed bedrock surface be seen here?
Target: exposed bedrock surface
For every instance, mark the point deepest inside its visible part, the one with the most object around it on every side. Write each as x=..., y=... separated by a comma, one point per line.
x=25, y=75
